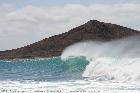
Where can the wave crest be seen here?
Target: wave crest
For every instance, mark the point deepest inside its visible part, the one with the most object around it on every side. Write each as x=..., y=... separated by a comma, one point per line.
x=117, y=60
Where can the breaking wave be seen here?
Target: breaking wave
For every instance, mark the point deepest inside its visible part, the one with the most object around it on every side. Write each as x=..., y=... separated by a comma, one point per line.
x=116, y=61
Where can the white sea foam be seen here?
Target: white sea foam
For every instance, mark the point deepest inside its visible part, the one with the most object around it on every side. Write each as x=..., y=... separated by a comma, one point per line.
x=115, y=61
x=113, y=68
x=78, y=86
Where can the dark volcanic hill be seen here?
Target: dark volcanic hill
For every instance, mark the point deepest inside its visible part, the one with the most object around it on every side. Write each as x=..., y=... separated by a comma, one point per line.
x=53, y=46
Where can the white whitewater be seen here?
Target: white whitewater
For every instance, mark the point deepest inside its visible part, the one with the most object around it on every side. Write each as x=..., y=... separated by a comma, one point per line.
x=114, y=61
x=114, y=67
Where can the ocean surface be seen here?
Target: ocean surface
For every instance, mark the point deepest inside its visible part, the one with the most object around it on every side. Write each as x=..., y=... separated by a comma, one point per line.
x=54, y=75
x=85, y=67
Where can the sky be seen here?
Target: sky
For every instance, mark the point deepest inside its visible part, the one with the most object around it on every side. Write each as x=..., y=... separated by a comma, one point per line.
x=23, y=22
x=21, y=3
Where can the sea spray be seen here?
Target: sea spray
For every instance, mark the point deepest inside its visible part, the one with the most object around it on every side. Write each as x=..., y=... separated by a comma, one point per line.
x=116, y=60
x=107, y=72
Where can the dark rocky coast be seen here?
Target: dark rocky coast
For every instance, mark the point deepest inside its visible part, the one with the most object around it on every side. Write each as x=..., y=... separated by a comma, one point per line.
x=53, y=46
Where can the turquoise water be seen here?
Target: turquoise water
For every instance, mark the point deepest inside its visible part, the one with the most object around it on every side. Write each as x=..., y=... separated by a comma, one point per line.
x=112, y=67
x=51, y=69
x=53, y=75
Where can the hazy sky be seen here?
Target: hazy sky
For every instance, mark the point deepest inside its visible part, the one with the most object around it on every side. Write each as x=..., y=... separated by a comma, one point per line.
x=63, y=2
x=26, y=21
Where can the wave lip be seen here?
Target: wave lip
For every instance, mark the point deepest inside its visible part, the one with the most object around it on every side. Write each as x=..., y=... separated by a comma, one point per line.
x=116, y=60
x=112, y=69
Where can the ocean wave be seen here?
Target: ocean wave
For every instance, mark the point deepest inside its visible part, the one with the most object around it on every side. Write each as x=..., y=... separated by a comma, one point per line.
x=113, y=61
x=44, y=69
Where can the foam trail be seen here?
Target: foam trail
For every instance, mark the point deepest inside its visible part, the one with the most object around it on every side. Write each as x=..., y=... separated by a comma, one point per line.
x=117, y=60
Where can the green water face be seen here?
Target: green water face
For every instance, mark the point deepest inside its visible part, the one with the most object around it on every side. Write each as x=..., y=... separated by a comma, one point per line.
x=51, y=69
